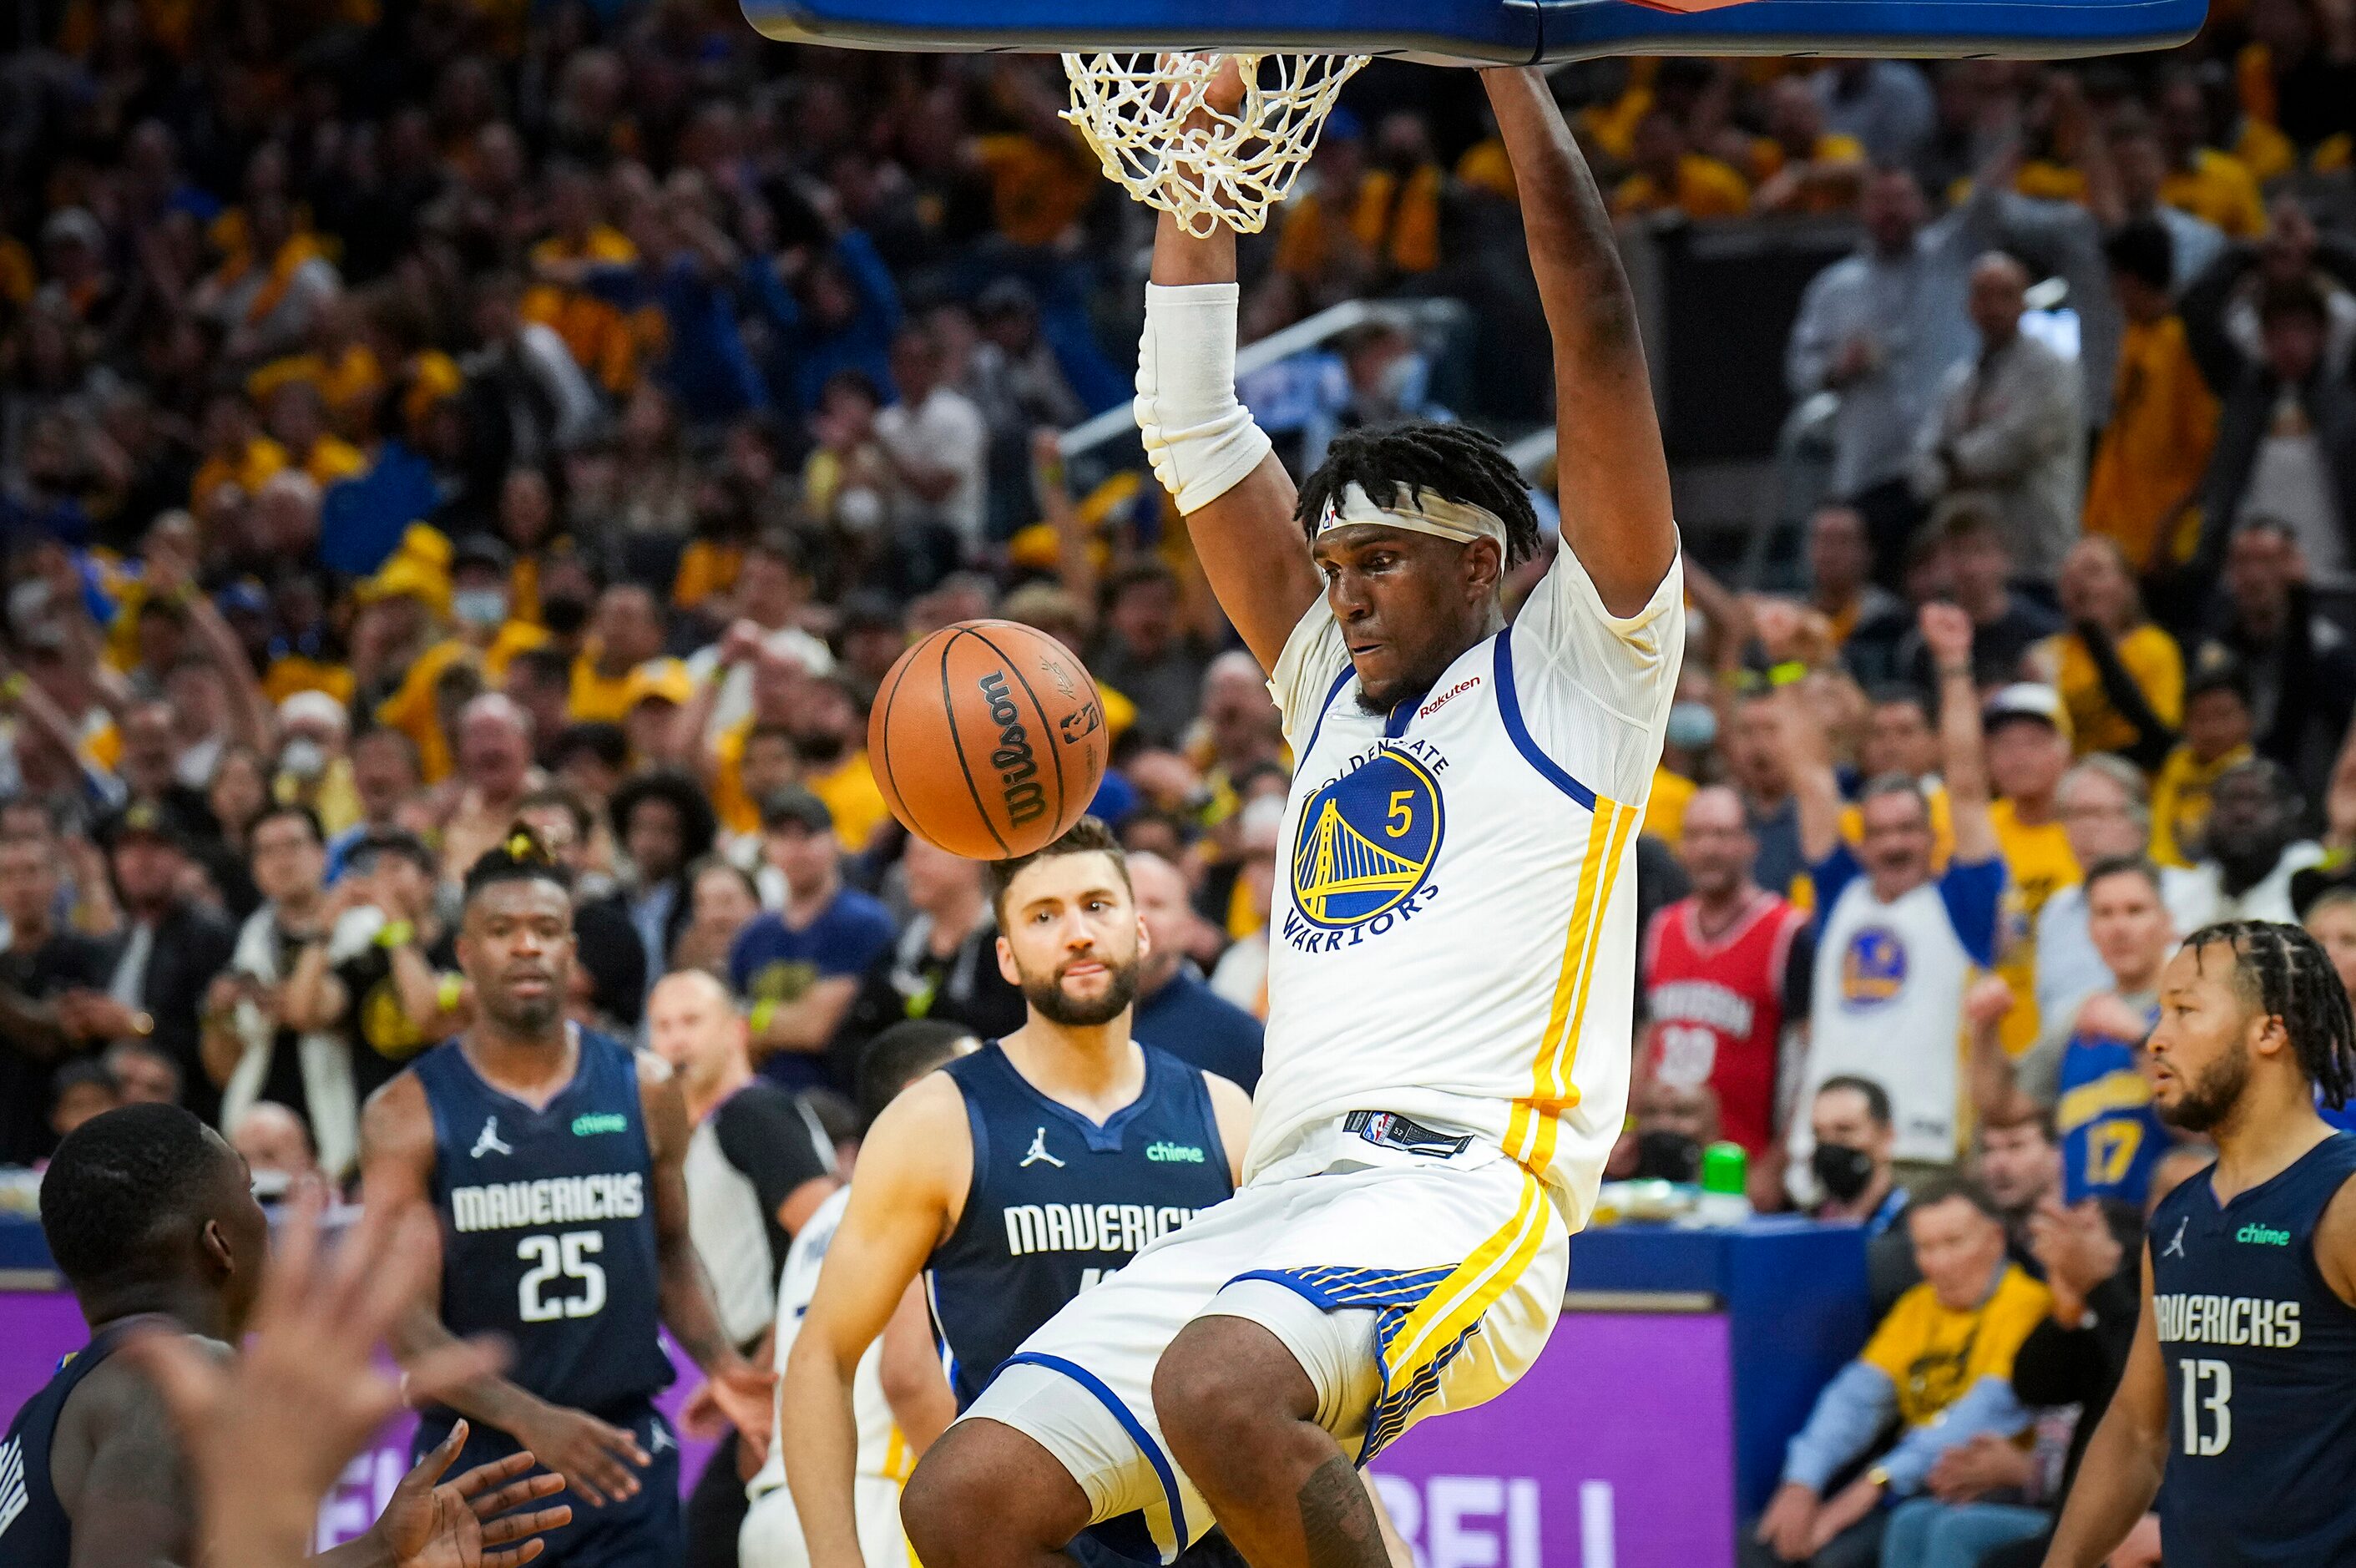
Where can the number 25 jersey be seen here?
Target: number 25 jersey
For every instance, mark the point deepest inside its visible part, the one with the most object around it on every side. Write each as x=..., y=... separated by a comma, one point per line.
x=548, y=1229
x=1453, y=930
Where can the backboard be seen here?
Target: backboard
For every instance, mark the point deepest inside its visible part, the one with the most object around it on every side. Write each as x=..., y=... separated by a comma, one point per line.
x=1494, y=32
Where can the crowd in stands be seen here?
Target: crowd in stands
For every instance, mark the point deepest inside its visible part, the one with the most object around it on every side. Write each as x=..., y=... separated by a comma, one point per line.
x=420, y=418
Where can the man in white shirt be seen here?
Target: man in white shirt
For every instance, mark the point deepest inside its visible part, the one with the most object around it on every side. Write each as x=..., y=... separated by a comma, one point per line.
x=937, y=442
x=2104, y=809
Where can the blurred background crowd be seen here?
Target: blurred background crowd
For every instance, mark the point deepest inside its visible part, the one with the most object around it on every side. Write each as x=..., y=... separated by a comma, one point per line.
x=421, y=415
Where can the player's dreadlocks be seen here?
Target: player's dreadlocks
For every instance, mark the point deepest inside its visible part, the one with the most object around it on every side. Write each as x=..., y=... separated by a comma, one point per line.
x=1453, y=462
x=2289, y=975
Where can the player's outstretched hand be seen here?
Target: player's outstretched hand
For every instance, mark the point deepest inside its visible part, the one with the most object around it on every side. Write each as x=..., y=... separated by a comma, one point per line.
x=598, y=1462
x=431, y=1523
x=267, y=1433
x=743, y=1393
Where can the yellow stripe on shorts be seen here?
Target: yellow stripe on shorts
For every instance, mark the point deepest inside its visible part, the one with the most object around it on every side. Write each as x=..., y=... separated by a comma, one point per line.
x=1475, y=1286
x=1532, y=1128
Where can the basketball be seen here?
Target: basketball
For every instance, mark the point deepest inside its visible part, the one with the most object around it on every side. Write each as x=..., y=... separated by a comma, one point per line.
x=986, y=739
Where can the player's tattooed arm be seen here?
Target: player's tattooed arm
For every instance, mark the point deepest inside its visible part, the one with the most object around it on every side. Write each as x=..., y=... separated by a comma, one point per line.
x=1338, y=1525
x=740, y=1389
x=1615, y=508
x=2120, y=1472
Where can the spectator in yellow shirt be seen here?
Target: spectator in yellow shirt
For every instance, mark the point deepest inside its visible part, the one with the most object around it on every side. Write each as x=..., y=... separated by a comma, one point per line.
x=236, y=451
x=1940, y=1364
x=2148, y=464
x=2028, y=753
x=2217, y=726
x=1798, y=165
x=2121, y=677
x=600, y=336
x=297, y=418
x=625, y=631
x=1671, y=177
x=480, y=575
x=2214, y=187
x=1363, y=223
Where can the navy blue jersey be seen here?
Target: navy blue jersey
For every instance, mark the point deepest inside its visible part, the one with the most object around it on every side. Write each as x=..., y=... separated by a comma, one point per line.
x=2261, y=1372
x=1058, y=1202
x=34, y=1529
x=548, y=1229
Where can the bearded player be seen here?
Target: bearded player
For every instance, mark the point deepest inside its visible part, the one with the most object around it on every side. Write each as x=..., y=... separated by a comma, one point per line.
x=1452, y=943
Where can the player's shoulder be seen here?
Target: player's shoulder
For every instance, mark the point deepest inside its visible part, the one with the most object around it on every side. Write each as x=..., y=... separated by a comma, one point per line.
x=922, y=1143
x=398, y=1117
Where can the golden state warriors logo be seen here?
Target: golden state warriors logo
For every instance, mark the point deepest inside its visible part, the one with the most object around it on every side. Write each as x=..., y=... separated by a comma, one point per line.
x=1367, y=841
x=1873, y=970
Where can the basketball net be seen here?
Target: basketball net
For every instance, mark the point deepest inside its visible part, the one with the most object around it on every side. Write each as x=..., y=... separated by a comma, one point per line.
x=1144, y=116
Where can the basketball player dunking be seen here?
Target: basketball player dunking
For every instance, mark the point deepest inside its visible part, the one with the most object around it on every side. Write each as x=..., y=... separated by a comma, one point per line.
x=554, y=1159
x=2240, y=1389
x=1016, y=1177
x=1452, y=942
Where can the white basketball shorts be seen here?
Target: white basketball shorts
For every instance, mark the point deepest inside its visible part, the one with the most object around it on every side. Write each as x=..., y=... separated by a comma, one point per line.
x=1404, y=1285
x=771, y=1535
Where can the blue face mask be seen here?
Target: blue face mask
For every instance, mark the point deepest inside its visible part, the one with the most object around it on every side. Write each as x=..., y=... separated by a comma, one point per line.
x=1693, y=726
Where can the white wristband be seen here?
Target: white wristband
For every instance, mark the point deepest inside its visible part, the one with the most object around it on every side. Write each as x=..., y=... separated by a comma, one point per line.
x=1201, y=440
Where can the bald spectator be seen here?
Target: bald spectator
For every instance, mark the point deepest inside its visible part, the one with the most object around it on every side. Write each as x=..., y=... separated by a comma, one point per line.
x=1176, y=1008
x=2006, y=427
x=495, y=772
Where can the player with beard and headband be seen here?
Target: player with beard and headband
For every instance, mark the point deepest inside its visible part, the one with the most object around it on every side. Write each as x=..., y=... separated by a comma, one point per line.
x=2240, y=1391
x=555, y=1158
x=1016, y=1177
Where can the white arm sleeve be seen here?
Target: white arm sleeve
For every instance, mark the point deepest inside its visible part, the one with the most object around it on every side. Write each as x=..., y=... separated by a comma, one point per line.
x=1201, y=440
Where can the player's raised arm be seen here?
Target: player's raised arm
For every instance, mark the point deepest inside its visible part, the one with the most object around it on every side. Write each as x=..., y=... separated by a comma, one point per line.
x=1235, y=497
x=900, y=1209
x=1615, y=481
x=2120, y=1472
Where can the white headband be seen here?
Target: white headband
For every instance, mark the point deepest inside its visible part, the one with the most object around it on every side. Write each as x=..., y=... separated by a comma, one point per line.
x=1417, y=514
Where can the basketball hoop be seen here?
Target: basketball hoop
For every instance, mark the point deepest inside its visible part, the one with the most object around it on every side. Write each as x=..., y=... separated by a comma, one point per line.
x=1145, y=117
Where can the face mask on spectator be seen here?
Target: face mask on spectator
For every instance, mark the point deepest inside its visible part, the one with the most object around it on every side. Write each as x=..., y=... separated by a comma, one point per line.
x=566, y=618
x=1844, y=1172
x=1665, y=1155
x=481, y=607
x=303, y=757
x=1693, y=726
x=860, y=510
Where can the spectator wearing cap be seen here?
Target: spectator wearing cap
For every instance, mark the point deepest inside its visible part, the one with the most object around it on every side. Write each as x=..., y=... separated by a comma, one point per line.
x=2006, y=425
x=2286, y=427
x=2300, y=667
x=625, y=631
x=1979, y=564
x=656, y=695
x=663, y=824
x=798, y=966
x=42, y=960
x=2148, y=463
x=1176, y=1009
x=2254, y=844
x=2026, y=738
x=2217, y=731
x=2120, y=675
x=313, y=769
x=167, y=953
x=1941, y=1364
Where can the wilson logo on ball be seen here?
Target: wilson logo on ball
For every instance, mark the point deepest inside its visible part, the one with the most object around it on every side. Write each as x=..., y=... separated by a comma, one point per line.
x=1017, y=769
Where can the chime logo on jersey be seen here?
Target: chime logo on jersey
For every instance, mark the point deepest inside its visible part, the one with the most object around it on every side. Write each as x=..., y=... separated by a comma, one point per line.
x=1873, y=970
x=1366, y=845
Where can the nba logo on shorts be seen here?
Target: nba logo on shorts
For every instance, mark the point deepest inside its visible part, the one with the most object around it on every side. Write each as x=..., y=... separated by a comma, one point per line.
x=1367, y=841
x=1873, y=970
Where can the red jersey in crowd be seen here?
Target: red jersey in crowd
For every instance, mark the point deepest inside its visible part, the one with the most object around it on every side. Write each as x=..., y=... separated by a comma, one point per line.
x=1718, y=1005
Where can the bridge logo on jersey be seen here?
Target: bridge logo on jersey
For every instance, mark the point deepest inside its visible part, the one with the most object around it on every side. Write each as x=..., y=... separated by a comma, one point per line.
x=1873, y=969
x=489, y=1141
x=1368, y=842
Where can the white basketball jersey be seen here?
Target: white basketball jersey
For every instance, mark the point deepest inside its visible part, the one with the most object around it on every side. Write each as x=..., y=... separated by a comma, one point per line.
x=1889, y=985
x=1453, y=935
x=883, y=1452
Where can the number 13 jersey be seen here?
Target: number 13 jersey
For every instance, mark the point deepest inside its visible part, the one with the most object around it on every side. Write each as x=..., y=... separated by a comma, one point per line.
x=1453, y=929
x=548, y=1230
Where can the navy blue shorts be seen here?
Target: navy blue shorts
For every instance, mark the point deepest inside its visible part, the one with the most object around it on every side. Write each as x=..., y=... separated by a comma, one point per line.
x=643, y=1531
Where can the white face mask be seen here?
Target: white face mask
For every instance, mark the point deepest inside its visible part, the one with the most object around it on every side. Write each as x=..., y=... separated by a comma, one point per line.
x=479, y=607
x=303, y=757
